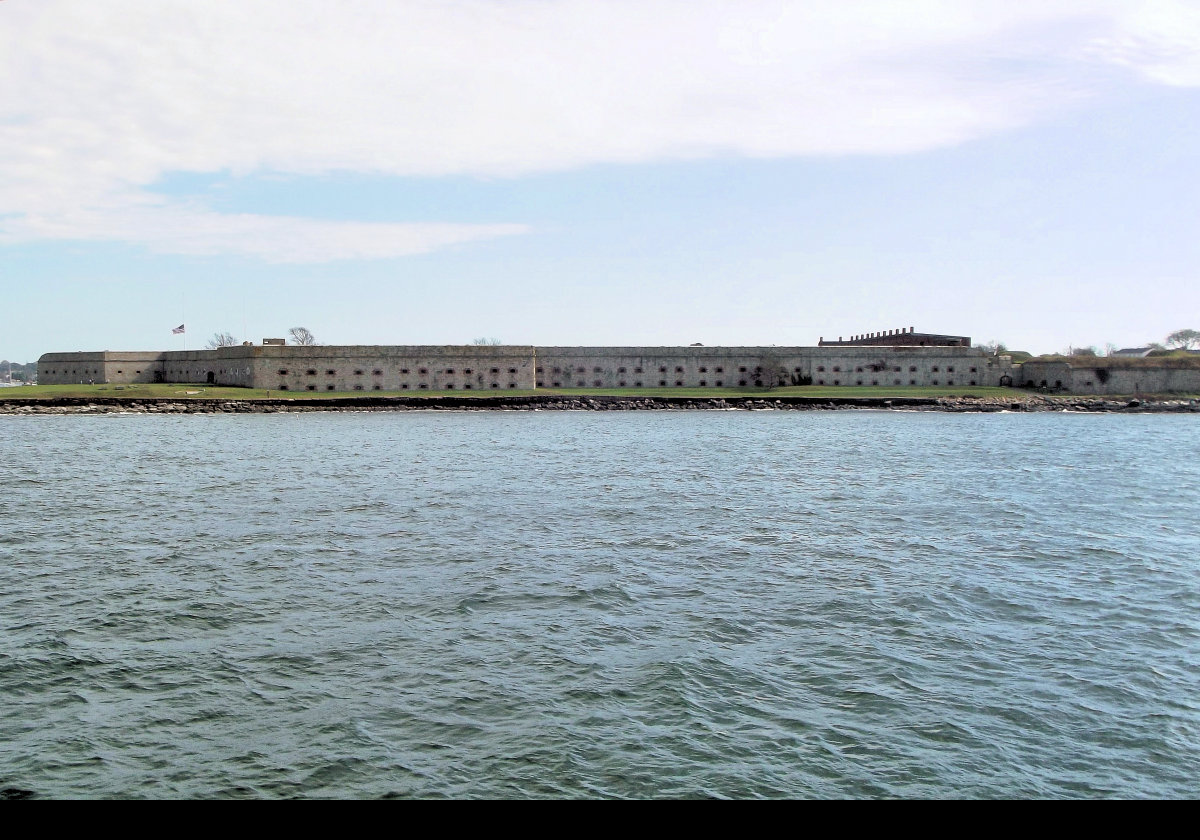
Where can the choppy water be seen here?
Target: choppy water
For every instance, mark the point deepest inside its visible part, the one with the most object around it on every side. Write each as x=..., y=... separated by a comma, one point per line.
x=603, y=605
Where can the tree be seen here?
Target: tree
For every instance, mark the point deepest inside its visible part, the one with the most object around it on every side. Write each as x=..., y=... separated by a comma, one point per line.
x=1083, y=351
x=1184, y=339
x=992, y=347
x=303, y=337
x=221, y=339
x=484, y=342
x=770, y=372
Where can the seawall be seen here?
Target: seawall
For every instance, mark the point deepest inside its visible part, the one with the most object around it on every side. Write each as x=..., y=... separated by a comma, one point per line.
x=1020, y=402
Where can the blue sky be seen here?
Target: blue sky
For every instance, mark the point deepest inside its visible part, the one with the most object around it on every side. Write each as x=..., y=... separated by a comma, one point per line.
x=612, y=173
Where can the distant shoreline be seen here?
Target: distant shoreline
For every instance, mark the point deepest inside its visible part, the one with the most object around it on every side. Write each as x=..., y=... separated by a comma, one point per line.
x=1019, y=402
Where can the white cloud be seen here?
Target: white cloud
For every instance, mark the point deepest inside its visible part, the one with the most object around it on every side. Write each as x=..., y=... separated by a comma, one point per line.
x=98, y=100
x=176, y=229
x=1159, y=39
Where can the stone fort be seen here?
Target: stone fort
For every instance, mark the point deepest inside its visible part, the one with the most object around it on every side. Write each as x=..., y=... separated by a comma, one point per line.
x=892, y=358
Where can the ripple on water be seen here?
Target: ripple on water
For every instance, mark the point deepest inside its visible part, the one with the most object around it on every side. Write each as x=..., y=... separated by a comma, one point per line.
x=705, y=604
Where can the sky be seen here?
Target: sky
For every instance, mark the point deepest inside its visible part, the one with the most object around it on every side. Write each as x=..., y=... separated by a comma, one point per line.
x=576, y=172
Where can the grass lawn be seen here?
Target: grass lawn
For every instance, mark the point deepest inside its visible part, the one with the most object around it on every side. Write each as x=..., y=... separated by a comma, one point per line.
x=176, y=391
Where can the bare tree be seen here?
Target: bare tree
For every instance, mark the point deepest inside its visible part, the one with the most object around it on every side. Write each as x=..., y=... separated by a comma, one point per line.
x=221, y=339
x=303, y=336
x=1184, y=339
x=770, y=372
x=486, y=341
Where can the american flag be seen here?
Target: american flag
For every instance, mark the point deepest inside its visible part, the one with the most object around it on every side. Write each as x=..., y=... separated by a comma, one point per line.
x=178, y=330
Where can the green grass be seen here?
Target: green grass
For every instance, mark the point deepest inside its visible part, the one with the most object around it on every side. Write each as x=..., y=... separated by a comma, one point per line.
x=176, y=391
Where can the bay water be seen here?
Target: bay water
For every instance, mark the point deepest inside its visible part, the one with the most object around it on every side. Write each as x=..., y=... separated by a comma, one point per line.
x=597, y=604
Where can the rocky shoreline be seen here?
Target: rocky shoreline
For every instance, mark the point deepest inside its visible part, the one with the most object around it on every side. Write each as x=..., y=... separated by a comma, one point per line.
x=1019, y=402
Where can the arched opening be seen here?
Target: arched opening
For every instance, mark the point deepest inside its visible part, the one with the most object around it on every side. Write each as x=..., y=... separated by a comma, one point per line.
x=212, y=377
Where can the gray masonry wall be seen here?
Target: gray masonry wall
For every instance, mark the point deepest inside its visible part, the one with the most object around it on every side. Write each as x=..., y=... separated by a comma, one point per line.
x=99, y=367
x=507, y=367
x=908, y=366
x=510, y=367
x=1104, y=380
x=732, y=367
x=394, y=368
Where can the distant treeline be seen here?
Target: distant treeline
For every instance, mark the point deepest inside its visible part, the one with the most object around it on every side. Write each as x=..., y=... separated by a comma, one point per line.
x=20, y=372
x=1177, y=359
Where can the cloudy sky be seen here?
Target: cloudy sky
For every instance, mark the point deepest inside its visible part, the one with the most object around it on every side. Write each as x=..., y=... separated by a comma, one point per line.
x=647, y=172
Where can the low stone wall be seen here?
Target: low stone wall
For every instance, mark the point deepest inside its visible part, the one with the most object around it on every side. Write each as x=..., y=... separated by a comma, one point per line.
x=1115, y=379
x=1018, y=402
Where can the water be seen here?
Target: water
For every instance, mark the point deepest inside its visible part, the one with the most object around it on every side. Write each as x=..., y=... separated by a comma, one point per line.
x=684, y=604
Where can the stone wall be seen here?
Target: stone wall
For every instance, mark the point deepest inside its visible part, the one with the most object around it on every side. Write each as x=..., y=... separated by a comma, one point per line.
x=394, y=368
x=508, y=367
x=747, y=367
x=1094, y=379
x=102, y=367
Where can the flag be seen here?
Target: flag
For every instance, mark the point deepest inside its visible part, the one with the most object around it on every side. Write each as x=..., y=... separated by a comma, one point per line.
x=178, y=330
